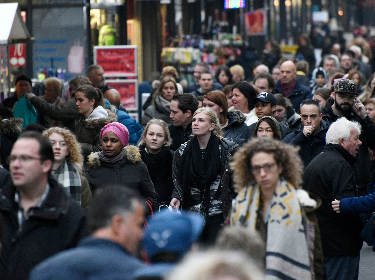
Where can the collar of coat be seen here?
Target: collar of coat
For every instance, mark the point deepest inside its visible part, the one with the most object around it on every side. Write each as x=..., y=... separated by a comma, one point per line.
x=99, y=123
x=132, y=154
x=55, y=204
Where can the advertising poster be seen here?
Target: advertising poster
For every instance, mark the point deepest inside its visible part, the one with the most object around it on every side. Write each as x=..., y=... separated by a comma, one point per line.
x=256, y=22
x=117, y=61
x=128, y=91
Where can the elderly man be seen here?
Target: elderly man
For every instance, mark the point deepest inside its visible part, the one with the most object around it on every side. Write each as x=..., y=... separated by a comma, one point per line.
x=38, y=217
x=345, y=103
x=330, y=63
x=116, y=219
x=290, y=87
x=95, y=73
x=329, y=176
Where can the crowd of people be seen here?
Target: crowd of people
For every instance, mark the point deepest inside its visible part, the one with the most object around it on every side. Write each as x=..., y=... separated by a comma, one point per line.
x=224, y=178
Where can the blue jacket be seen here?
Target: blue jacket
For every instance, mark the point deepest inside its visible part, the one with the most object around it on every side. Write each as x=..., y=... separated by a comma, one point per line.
x=358, y=204
x=134, y=127
x=362, y=204
x=93, y=259
x=297, y=95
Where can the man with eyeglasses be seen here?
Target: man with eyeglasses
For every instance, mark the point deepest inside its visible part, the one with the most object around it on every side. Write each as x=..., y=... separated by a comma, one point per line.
x=345, y=103
x=39, y=218
x=310, y=136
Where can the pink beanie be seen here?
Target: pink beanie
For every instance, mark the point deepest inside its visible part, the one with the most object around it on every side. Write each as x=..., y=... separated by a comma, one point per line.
x=117, y=128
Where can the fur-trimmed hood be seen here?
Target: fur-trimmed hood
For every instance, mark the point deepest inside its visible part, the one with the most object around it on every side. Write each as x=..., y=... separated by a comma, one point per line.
x=12, y=126
x=95, y=123
x=132, y=154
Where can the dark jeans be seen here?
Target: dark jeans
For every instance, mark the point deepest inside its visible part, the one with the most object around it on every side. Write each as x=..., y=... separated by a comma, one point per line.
x=342, y=268
x=211, y=229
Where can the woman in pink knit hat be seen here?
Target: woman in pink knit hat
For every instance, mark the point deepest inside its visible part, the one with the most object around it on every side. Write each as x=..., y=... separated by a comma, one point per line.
x=120, y=164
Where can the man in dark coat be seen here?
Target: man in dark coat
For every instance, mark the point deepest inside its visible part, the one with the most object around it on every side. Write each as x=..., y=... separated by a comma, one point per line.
x=290, y=87
x=330, y=176
x=182, y=109
x=116, y=219
x=310, y=136
x=345, y=103
x=39, y=219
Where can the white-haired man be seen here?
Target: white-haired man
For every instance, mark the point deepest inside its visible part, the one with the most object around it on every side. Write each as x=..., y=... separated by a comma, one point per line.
x=330, y=175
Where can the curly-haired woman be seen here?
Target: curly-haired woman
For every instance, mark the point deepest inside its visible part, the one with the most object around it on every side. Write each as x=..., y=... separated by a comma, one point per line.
x=67, y=166
x=267, y=176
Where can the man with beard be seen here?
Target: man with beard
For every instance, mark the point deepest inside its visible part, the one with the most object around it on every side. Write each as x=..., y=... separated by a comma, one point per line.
x=95, y=73
x=345, y=103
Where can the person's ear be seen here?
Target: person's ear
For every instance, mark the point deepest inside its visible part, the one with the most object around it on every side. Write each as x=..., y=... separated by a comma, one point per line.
x=188, y=113
x=46, y=166
x=116, y=223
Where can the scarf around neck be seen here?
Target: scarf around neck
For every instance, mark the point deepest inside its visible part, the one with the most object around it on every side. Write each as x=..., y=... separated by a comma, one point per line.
x=112, y=160
x=287, y=253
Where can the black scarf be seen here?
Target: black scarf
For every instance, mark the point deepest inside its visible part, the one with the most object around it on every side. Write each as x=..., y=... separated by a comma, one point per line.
x=200, y=172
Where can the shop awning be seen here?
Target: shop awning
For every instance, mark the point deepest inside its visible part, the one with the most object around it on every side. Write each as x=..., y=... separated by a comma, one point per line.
x=12, y=28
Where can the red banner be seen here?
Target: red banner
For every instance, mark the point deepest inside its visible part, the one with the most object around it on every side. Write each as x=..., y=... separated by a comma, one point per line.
x=128, y=91
x=117, y=61
x=17, y=55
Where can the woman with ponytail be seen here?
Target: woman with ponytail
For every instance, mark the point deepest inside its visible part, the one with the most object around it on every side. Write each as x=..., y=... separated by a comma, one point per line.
x=92, y=118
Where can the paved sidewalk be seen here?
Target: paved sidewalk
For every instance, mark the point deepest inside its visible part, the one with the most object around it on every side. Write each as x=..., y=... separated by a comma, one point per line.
x=367, y=264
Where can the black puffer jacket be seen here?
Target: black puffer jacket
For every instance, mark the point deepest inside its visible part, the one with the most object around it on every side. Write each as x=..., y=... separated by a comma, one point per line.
x=59, y=224
x=129, y=172
x=160, y=168
x=310, y=146
x=236, y=130
x=330, y=176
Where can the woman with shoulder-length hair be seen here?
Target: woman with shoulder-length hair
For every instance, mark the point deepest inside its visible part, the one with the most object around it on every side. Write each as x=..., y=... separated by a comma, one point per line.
x=201, y=174
x=154, y=147
x=67, y=165
x=160, y=106
x=232, y=124
x=267, y=176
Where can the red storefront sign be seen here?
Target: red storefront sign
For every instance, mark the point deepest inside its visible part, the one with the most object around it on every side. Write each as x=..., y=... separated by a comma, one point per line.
x=128, y=91
x=17, y=55
x=117, y=61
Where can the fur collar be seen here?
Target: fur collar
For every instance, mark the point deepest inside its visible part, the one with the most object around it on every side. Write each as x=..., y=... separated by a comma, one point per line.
x=11, y=126
x=132, y=154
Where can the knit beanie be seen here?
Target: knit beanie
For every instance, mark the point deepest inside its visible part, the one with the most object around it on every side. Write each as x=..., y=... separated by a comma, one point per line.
x=118, y=129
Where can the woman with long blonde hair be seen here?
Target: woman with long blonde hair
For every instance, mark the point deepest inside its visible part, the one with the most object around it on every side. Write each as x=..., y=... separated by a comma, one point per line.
x=201, y=174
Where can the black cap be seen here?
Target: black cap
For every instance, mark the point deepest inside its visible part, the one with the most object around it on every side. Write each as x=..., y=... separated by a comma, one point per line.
x=23, y=78
x=266, y=97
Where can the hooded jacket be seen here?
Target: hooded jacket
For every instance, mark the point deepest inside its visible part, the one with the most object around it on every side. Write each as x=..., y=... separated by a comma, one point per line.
x=87, y=132
x=129, y=172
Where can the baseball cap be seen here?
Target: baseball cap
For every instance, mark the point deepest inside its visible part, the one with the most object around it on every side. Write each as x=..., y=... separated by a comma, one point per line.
x=266, y=97
x=346, y=86
x=171, y=231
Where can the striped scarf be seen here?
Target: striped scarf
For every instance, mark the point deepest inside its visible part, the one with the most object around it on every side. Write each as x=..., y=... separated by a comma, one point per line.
x=287, y=253
x=69, y=177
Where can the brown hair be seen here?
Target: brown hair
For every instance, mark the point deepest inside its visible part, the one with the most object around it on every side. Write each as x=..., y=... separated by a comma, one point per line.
x=285, y=155
x=218, y=97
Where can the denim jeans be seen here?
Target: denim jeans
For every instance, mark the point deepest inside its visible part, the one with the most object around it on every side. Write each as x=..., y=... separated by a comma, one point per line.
x=341, y=268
